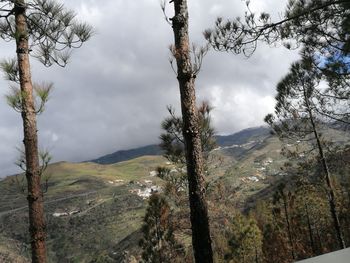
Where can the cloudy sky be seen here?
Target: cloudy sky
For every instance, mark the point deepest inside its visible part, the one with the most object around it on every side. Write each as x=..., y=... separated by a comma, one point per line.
x=113, y=93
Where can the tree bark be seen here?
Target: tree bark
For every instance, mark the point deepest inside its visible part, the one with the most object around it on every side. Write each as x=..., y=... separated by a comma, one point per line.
x=331, y=194
x=201, y=240
x=290, y=237
x=312, y=243
x=37, y=225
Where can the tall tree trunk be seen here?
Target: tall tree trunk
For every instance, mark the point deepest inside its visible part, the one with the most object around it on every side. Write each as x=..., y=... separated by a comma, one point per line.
x=291, y=243
x=329, y=184
x=201, y=240
x=311, y=236
x=320, y=244
x=37, y=225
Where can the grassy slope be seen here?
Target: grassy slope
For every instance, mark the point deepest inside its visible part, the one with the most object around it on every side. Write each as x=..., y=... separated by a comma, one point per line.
x=109, y=212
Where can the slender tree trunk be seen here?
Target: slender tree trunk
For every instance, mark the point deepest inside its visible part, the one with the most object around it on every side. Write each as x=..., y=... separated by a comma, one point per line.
x=201, y=240
x=312, y=243
x=37, y=226
x=320, y=247
x=288, y=225
x=331, y=194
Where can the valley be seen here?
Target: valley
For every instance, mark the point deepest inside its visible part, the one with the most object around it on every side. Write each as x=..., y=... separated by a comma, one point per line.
x=94, y=211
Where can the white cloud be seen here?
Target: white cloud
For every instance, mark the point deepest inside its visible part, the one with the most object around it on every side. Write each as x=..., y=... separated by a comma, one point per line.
x=90, y=14
x=240, y=108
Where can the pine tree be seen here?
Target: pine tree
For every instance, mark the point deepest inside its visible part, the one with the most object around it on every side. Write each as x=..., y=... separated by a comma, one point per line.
x=45, y=30
x=158, y=243
x=298, y=104
x=245, y=241
x=320, y=26
x=173, y=145
x=186, y=74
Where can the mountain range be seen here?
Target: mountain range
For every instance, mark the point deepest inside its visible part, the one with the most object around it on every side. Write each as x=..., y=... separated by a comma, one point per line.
x=238, y=138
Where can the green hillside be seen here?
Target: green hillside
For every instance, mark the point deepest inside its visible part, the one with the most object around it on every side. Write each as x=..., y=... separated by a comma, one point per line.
x=94, y=212
x=99, y=200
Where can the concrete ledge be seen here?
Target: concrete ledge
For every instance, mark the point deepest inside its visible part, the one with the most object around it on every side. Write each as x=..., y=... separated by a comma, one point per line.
x=340, y=256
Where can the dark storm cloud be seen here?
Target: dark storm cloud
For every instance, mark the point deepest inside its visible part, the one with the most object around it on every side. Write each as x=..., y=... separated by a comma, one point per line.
x=114, y=91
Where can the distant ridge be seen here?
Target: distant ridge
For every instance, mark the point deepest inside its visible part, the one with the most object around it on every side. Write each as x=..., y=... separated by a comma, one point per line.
x=125, y=155
x=243, y=136
x=238, y=138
